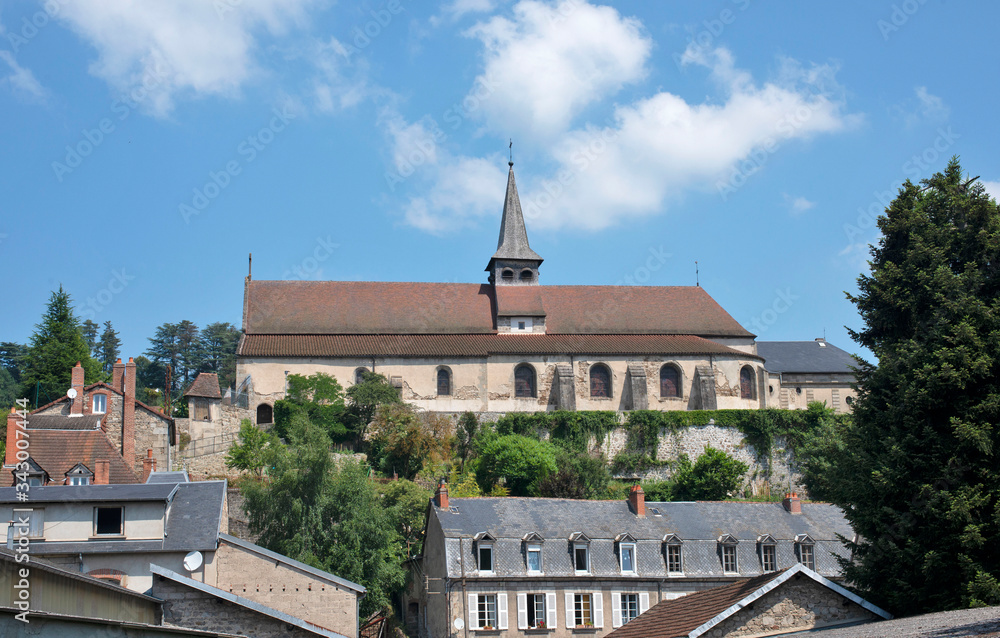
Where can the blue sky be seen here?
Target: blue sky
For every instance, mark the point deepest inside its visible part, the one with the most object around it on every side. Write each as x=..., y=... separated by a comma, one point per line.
x=147, y=148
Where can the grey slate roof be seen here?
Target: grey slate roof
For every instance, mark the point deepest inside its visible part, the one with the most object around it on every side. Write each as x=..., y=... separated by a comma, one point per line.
x=513, y=241
x=243, y=602
x=88, y=493
x=805, y=356
x=697, y=524
x=173, y=477
x=194, y=516
x=64, y=422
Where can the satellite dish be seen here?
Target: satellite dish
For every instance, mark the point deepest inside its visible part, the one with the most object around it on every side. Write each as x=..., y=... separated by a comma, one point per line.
x=71, y=393
x=192, y=561
x=459, y=624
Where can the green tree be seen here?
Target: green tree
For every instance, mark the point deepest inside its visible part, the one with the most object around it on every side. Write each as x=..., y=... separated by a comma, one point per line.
x=329, y=517
x=90, y=329
x=580, y=475
x=520, y=462
x=218, y=346
x=256, y=450
x=12, y=358
x=189, y=351
x=108, y=348
x=318, y=397
x=714, y=476
x=164, y=350
x=918, y=477
x=465, y=435
x=408, y=503
x=150, y=377
x=364, y=399
x=56, y=346
x=402, y=440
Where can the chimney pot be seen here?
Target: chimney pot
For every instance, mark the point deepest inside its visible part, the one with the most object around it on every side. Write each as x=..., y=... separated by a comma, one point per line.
x=128, y=415
x=441, y=496
x=148, y=465
x=637, y=500
x=792, y=504
x=77, y=382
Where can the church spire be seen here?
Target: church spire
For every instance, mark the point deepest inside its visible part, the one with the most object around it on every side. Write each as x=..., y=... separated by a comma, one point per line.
x=514, y=261
x=513, y=241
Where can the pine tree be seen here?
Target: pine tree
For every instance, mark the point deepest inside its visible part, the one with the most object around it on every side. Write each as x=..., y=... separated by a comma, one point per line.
x=218, y=345
x=919, y=476
x=164, y=350
x=56, y=345
x=108, y=348
x=90, y=329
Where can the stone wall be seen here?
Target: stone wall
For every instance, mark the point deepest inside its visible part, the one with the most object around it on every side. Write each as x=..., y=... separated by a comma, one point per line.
x=800, y=603
x=286, y=588
x=185, y=606
x=205, y=455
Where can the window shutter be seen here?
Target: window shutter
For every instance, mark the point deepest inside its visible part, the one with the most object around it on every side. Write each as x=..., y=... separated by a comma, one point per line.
x=597, y=605
x=643, y=602
x=551, y=618
x=473, y=611
x=522, y=611
x=616, y=609
x=570, y=618
x=502, y=611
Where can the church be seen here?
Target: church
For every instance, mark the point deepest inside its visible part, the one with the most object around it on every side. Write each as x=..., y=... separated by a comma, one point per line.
x=510, y=344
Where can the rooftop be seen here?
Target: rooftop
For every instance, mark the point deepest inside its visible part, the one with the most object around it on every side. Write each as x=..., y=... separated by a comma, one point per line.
x=817, y=356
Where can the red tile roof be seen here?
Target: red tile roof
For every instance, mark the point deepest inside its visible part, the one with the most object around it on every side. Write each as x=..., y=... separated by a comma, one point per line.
x=206, y=384
x=679, y=617
x=423, y=345
x=57, y=451
x=364, y=307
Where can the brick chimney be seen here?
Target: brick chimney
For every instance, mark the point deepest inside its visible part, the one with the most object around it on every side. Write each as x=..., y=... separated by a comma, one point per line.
x=792, y=504
x=637, y=500
x=441, y=496
x=117, y=375
x=76, y=407
x=148, y=465
x=13, y=418
x=102, y=472
x=128, y=415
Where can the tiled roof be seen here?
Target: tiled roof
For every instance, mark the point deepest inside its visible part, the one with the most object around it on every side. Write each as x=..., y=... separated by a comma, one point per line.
x=679, y=617
x=513, y=241
x=364, y=307
x=206, y=384
x=57, y=451
x=697, y=524
x=805, y=356
x=422, y=345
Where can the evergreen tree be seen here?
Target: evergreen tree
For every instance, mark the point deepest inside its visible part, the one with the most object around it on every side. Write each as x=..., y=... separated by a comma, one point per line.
x=918, y=473
x=164, y=350
x=218, y=346
x=189, y=351
x=56, y=345
x=12, y=358
x=90, y=329
x=108, y=348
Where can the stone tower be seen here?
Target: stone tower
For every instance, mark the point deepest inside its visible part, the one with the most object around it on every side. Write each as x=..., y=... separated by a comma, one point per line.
x=514, y=263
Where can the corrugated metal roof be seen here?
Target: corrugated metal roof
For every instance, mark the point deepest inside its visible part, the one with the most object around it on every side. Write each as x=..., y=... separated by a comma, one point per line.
x=424, y=345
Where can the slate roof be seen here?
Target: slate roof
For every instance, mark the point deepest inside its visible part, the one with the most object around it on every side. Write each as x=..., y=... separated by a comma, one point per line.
x=805, y=356
x=58, y=451
x=697, y=524
x=513, y=240
x=64, y=422
x=696, y=614
x=478, y=345
x=206, y=385
x=89, y=493
x=401, y=308
x=180, y=476
x=194, y=516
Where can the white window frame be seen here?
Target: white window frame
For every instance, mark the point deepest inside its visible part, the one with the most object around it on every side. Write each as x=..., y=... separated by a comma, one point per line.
x=680, y=559
x=586, y=548
x=480, y=547
x=619, y=606
x=499, y=604
x=104, y=402
x=529, y=550
x=766, y=548
x=730, y=548
x=516, y=327
x=622, y=547
x=78, y=480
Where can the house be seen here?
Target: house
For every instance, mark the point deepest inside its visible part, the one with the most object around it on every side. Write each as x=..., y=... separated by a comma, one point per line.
x=517, y=565
x=97, y=433
x=507, y=345
x=789, y=601
x=137, y=535
x=800, y=372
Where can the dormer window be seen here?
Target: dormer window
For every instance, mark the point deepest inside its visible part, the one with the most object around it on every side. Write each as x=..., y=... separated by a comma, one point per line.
x=675, y=564
x=507, y=274
x=805, y=547
x=768, y=553
x=727, y=554
x=626, y=553
x=99, y=403
x=521, y=324
x=533, y=553
x=484, y=551
x=581, y=552
x=79, y=475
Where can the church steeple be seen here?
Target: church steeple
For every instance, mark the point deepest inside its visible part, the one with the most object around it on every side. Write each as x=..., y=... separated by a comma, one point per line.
x=514, y=262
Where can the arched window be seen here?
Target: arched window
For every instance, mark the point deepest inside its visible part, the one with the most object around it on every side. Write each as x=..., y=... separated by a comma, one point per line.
x=670, y=381
x=747, y=383
x=527, y=275
x=265, y=414
x=600, y=381
x=444, y=382
x=359, y=375
x=524, y=381
x=507, y=274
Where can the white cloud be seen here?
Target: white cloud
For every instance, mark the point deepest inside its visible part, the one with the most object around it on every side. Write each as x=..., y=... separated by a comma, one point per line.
x=926, y=108
x=550, y=61
x=21, y=81
x=189, y=47
x=456, y=9
x=992, y=189
x=797, y=205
